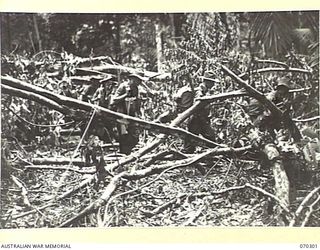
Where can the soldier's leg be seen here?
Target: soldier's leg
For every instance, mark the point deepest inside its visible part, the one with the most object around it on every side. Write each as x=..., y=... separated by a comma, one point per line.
x=94, y=156
x=133, y=137
x=124, y=144
x=87, y=155
x=193, y=127
x=122, y=139
x=206, y=130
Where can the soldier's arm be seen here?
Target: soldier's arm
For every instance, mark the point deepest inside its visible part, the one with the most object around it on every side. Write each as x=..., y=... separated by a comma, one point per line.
x=166, y=116
x=120, y=94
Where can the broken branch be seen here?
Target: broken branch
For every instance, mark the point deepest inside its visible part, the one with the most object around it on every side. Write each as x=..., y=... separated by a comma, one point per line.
x=138, y=174
x=303, y=205
x=276, y=112
x=17, y=85
x=268, y=70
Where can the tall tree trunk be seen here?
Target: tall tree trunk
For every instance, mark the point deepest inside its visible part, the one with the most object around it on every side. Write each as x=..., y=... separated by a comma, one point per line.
x=36, y=28
x=173, y=29
x=238, y=28
x=117, y=42
x=6, y=31
x=32, y=43
x=159, y=46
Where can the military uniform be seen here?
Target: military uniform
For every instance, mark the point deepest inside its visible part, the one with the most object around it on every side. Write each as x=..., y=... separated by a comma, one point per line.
x=184, y=99
x=129, y=105
x=262, y=117
x=100, y=96
x=199, y=123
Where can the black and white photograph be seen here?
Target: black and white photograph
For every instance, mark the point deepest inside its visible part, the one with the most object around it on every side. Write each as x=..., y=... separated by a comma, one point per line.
x=186, y=119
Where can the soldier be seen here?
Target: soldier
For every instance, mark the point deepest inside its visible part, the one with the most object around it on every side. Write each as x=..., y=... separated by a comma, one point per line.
x=183, y=98
x=102, y=95
x=92, y=150
x=199, y=123
x=262, y=118
x=126, y=101
x=66, y=89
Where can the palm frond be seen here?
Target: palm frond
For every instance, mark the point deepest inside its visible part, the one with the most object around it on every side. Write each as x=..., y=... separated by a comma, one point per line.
x=314, y=60
x=274, y=30
x=305, y=35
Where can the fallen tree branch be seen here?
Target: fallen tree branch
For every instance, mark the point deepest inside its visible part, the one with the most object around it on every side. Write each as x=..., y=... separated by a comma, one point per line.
x=167, y=167
x=8, y=81
x=87, y=170
x=303, y=205
x=307, y=119
x=223, y=96
x=282, y=185
x=247, y=185
x=254, y=93
x=24, y=194
x=136, y=189
x=276, y=112
x=83, y=72
x=34, y=97
x=37, y=125
x=160, y=138
x=79, y=60
x=85, y=182
x=88, y=79
x=270, y=62
x=57, y=161
x=299, y=90
x=214, y=193
x=38, y=162
x=108, y=114
x=138, y=174
x=310, y=211
x=162, y=155
x=24, y=191
x=268, y=70
x=109, y=190
x=236, y=93
x=114, y=184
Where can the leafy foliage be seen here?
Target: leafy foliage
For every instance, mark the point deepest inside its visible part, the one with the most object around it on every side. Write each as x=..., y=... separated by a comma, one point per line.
x=278, y=32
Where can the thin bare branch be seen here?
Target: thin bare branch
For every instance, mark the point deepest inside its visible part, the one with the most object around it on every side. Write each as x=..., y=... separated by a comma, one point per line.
x=303, y=205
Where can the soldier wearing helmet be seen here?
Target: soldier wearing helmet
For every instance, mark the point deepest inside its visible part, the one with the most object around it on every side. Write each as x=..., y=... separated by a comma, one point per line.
x=127, y=101
x=261, y=117
x=199, y=123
